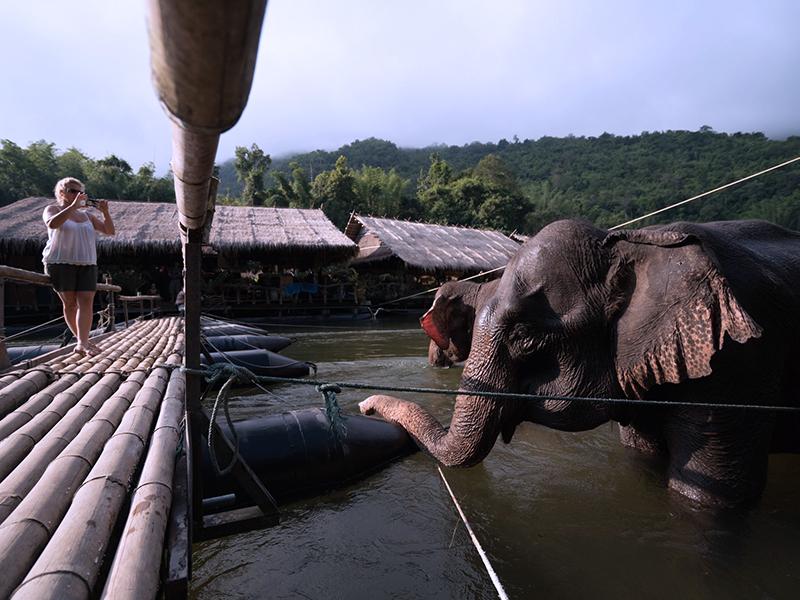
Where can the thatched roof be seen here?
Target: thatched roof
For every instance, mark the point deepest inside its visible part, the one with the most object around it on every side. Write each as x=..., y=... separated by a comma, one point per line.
x=428, y=247
x=287, y=236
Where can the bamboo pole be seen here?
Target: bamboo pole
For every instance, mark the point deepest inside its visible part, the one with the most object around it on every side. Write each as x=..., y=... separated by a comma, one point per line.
x=9, y=378
x=35, y=404
x=59, y=424
x=28, y=527
x=36, y=458
x=14, y=447
x=135, y=571
x=42, y=279
x=17, y=392
x=27, y=530
x=69, y=565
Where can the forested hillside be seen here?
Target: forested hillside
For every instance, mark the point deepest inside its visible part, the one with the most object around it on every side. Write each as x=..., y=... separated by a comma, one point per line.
x=511, y=186
x=525, y=184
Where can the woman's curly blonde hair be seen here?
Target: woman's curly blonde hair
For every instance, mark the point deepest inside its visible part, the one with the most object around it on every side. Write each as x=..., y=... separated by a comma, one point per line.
x=63, y=183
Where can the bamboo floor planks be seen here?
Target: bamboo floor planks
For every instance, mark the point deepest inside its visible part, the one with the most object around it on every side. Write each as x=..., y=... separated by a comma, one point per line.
x=74, y=433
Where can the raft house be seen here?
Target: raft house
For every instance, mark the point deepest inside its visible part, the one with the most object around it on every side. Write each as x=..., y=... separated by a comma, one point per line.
x=398, y=260
x=255, y=261
x=101, y=461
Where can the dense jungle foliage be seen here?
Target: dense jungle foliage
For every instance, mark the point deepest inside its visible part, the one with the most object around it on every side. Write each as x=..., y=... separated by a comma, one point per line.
x=34, y=171
x=511, y=186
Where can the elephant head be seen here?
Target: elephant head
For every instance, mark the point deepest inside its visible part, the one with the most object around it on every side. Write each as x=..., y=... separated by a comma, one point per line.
x=449, y=320
x=580, y=313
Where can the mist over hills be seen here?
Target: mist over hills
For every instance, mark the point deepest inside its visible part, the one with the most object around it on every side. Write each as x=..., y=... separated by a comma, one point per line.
x=605, y=178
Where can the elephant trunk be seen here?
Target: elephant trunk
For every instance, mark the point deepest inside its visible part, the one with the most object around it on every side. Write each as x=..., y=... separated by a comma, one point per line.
x=472, y=433
x=438, y=357
x=476, y=421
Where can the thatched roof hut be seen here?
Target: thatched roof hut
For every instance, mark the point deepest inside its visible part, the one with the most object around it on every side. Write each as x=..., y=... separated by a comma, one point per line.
x=290, y=237
x=426, y=247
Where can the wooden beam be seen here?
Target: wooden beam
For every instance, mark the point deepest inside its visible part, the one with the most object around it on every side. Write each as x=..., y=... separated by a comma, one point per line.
x=42, y=279
x=191, y=359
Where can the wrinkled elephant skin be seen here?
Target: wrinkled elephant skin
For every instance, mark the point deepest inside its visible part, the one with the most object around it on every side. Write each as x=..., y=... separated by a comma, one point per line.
x=688, y=313
x=449, y=321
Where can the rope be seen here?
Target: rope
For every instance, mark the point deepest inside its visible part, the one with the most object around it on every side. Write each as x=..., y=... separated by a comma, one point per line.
x=650, y=214
x=708, y=193
x=501, y=593
x=335, y=418
x=234, y=374
x=215, y=372
x=32, y=329
x=502, y=395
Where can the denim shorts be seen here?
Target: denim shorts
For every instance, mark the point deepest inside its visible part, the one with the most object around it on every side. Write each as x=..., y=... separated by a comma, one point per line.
x=72, y=278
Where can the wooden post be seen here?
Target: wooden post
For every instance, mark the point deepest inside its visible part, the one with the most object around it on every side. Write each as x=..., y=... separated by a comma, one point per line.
x=2, y=307
x=4, y=362
x=112, y=309
x=191, y=285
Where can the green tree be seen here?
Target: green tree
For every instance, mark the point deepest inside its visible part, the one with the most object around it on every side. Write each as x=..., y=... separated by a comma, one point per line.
x=251, y=164
x=379, y=193
x=17, y=173
x=334, y=192
x=294, y=192
x=72, y=163
x=108, y=177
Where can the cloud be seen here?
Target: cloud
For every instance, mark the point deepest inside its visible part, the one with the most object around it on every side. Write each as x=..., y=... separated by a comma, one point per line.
x=416, y=73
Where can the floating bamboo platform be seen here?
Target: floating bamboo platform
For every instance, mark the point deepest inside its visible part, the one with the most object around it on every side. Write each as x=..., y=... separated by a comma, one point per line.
x=88, y=444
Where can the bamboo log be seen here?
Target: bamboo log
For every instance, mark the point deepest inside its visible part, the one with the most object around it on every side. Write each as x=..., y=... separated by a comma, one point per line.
x=69, y=565
x=135, y=571
x=63, y=426
x=17, y=392
x=9, y=378
x=42, y=279
x=19, y=482
x=28, y=528
x=14, y=448
x=34, y=406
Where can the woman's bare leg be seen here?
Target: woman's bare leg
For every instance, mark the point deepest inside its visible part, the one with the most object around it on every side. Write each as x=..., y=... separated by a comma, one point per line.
x=70, y=304
x=84, y=318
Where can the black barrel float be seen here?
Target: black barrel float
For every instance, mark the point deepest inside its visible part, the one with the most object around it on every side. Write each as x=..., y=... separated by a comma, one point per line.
x=296, y=454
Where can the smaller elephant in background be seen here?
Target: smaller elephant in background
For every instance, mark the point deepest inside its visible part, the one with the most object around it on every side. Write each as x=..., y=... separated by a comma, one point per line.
x=452, y=314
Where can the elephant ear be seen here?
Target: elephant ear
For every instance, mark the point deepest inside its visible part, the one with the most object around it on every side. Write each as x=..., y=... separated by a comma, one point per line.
x=433, y=324
x=679, y=309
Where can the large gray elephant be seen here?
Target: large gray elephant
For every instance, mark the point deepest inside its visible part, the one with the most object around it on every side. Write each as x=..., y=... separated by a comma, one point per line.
x=452, y=316
x=685, y=313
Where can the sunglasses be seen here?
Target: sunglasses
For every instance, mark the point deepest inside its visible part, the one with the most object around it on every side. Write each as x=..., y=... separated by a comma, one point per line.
x=72, y=191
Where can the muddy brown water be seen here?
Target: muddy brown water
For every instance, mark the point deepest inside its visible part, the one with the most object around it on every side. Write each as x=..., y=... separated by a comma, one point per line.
x=560, y=515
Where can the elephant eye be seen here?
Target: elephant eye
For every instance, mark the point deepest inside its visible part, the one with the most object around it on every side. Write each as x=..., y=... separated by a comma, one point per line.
x=525, y=338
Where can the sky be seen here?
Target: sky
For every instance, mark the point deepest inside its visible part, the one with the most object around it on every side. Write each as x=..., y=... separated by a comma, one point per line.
x=416, y=72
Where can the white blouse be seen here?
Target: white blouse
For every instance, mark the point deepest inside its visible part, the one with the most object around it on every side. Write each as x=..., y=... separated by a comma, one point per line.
x=72, y=243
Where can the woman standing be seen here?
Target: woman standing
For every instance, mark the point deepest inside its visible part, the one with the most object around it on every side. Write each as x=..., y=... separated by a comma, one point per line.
x=70, y=256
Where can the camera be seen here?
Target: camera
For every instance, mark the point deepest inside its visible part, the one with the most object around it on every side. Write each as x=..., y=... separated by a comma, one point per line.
x=91, y=202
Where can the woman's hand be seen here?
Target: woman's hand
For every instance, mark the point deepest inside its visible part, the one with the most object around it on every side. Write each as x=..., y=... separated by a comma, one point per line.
x=102, y=206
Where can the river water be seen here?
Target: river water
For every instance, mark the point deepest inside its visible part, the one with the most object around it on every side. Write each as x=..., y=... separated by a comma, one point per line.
x=560, y=515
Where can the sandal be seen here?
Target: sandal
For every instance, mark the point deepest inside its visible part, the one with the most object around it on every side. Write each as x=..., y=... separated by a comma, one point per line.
x=80, y=350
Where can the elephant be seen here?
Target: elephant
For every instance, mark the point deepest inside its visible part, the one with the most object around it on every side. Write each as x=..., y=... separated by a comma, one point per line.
x=691, y=314
x=453, y=314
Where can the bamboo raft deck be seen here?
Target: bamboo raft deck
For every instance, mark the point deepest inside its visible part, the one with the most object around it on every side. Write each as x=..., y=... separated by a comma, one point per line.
x=81, y=440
